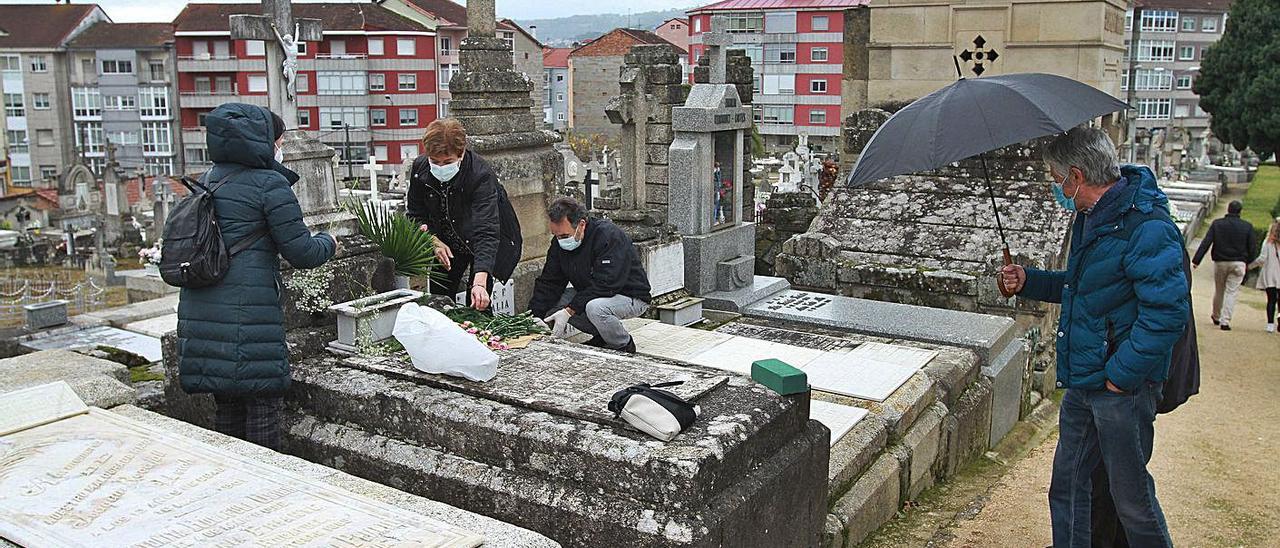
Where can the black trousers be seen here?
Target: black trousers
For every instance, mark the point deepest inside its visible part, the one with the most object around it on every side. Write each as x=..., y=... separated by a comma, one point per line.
x=1273, y=296
x=251, y=418
x=452, y=280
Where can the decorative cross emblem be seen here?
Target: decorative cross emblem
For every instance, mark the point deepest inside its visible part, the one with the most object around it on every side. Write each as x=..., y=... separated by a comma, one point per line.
x=979, y=55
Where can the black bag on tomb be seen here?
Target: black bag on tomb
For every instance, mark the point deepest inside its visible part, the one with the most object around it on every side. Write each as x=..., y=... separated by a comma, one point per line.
x=658, y=413
x=194, y=255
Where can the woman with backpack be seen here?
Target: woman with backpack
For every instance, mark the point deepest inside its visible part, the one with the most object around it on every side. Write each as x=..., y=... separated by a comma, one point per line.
x=231, y=334
x=1269, y=279
x=454, y=194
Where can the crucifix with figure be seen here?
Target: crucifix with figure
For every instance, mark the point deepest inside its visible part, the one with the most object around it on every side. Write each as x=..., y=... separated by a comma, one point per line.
x=281, y=32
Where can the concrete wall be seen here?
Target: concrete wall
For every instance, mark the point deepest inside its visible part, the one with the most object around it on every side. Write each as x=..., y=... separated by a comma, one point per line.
x=593, y=81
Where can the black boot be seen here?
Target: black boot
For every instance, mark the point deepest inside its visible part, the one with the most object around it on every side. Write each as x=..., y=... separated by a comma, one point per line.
x=630, y=347
x=596, y=342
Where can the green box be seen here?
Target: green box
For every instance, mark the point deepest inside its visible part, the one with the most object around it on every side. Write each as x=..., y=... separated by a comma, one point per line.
x=779, y=377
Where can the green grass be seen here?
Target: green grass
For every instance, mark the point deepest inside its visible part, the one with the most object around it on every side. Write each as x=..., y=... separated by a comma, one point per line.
x=1262, y=198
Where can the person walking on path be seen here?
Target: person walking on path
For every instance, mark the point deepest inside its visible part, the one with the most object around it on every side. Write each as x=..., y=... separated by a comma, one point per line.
x=1269, y=280
x=1233, y=244
x=1124, y=300
x=231, y=335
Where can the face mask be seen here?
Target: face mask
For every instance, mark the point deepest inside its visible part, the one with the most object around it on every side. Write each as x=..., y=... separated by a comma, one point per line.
x=279, y=156
x=1068, y=204
x=569, y=244
x=445, y=172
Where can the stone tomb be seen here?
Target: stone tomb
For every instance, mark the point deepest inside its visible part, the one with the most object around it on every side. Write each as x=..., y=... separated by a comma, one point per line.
x=80, y=476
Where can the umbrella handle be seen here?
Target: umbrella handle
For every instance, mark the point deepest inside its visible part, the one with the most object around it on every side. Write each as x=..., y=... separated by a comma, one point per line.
x=1008, y=260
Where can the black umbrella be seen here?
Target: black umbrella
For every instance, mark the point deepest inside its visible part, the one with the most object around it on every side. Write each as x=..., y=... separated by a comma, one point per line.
x=973, y=116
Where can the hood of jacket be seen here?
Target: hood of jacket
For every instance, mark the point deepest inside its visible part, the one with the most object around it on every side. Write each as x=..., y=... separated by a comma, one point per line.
x=241, y=134
x=1141, y=192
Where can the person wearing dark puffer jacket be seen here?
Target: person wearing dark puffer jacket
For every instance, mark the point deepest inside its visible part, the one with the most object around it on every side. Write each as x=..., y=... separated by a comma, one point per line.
x=1234, y=247
x=231, y=335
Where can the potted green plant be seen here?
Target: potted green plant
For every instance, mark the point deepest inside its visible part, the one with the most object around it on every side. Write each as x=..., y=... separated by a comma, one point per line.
x=399, y=239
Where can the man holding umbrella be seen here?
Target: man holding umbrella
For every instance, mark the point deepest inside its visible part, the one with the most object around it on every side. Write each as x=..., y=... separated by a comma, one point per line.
x=1125, y=303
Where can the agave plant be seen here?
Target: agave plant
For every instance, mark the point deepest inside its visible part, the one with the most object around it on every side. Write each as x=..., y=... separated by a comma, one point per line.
x=400, y=239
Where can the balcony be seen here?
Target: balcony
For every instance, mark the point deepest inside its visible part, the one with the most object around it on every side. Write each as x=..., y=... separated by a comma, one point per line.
x=211, y=63
x=209, y=99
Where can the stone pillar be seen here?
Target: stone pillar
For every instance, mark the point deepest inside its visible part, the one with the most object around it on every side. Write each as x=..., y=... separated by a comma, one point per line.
x=650, y=85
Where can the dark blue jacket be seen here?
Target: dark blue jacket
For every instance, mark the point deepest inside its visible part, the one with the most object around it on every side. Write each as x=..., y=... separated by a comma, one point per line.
x=231, y=335
x=1124, y=300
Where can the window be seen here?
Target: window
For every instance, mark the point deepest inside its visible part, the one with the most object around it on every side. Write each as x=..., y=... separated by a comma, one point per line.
x=40, y=101
x=223, y=85
x=408, y=117
x=1155, y=50
x=255, y=48
x=377, y=116
x=560, y=116
x=87, y=69
x=446, y=74
x=780, y=53
x=1182, y=111
x=340, y=83
x=377, y=82
x=818, y=86
x=1184, y=81
x=21, y=175
x=302, y=82
x=17, y=140
x=1154, y=109
x=444, y=109
x=38, y=64
x=120, y=102
x=778, y=115
x=754, y=51
x=1153, y=80
x=746, y=22
x=1159, y=21
x=13, y=105
x=1124, y=80
x=154, y=101
x=335, y=117
x=304, y=118
x=406, y=46
x=1188, y=24
x=755, y=83
x=48, y=172
x=559, y=77
x=818, y=54
x=89, y=137
x=158, y=166
x=123, y=137
x=375, y=46
x=510, y=38
x=10, y=63
x=697, y=24
x=155, y=138
x=779, y=84
x=380, y=152
x=197, y=156
x=200, y=119
x=258, y=83
x=199, y=49
x=408, y=150
x=446, y=45
x=44, y=137
x=86, y=102
x=338, y=48
x=821, y=23
x=407, y=82
x=117, y=67
x=1209, y=24
x=1186, y=53
x=817, y=117
x=559, y=97
x=780, y=22
x=156, y=68
x=301, y=48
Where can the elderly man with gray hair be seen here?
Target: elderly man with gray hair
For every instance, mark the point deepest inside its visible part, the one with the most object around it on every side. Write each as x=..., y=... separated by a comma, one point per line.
x=1125, y=302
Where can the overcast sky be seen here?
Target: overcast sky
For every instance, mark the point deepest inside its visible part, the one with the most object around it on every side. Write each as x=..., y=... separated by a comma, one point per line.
x=123, y=11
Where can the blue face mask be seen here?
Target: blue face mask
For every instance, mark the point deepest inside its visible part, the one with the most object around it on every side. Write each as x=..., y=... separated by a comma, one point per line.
x=569, y=244
x=445, y=172
x=1068, y=204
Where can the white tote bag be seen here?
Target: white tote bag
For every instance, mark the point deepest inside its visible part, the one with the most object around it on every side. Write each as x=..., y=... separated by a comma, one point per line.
x=437, y=345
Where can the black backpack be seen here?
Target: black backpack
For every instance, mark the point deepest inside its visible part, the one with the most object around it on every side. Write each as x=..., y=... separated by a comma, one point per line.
x=194, y=255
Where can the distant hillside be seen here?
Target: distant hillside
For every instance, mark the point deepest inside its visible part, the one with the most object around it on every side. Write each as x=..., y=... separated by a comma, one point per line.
x=564, y=31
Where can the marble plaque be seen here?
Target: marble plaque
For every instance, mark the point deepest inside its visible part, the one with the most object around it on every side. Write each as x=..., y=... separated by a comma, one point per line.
x=665, y=266
x=100, y=479
x=840, y=373
x=895, y=354
x=738, y=353
x=837, y=418
x=675, y=342
x=31, y=407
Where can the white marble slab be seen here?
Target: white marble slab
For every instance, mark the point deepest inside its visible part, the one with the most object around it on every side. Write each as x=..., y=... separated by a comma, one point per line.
x=31, y=407
x=894, y=354
x=872, y=371
x=737, y=355
x=100, y=479
x=154, y=327
x=143, y=345
x=675, y=342
x=840, y=419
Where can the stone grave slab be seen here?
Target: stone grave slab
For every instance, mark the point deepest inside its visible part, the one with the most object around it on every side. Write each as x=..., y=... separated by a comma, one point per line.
x=155, y=327
x=101, y=479
x=817, y=341
x=738, y=353
x=558, y=378
x=675, y=342
x=143, y=345
x=100, y=382
x=840, y=419
x=38, y=405
x=873, y=371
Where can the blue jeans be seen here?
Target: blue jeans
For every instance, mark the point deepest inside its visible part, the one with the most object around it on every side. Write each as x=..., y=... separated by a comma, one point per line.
x=1118, y=430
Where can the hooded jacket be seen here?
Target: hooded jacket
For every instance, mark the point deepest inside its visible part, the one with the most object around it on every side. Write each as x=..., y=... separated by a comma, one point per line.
x=1124, y=295
x=463, y=212
x=231, y=336
x=604, y=265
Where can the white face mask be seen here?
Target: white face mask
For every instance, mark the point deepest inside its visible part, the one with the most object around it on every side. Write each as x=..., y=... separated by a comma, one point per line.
x=279, y=156
x=445, y=172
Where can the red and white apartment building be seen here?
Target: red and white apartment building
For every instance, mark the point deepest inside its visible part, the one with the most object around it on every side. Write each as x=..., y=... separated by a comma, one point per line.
x=796, y=48
x=369, y=86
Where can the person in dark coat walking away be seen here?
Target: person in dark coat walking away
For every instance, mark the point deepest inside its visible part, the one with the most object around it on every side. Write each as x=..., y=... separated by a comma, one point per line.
x=454, y=194
x=231, y=335
x=1124, y=300
x=1234, y=246
x=602, y=264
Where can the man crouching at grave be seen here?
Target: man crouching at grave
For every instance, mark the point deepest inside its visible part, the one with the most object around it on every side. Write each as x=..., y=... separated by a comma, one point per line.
x=1124, y=303
x=608, y=281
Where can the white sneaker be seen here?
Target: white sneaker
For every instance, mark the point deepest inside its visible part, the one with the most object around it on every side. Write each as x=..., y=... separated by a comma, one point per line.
x=1271, y=328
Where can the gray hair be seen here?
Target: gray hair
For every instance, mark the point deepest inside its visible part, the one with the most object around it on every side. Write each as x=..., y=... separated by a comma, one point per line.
x=1087, y=149
x=566, y=208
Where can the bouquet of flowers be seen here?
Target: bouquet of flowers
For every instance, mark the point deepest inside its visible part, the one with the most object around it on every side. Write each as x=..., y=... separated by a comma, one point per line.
x=495, y=331
x=150, y=255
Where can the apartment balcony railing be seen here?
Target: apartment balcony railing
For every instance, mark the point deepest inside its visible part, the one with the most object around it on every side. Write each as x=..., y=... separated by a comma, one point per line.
x=341, y=56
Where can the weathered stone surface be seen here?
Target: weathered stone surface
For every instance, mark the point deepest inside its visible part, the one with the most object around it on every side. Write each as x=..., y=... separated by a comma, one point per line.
x=1007, y=373
x=343, y=278
x=967, y=431
x=920, y=450
x=952, y=373
x=851, y=456
x=98, y=382
x=833, y=533
x=872, y=501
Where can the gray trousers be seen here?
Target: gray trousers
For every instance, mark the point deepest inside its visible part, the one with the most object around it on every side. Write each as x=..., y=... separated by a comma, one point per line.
x=603, y=316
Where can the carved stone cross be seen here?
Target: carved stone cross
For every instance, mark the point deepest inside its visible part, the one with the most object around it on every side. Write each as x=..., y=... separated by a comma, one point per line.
x=277, y=26
x=717, y=40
